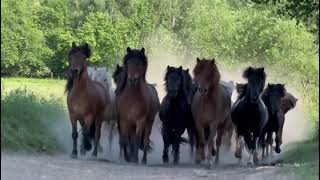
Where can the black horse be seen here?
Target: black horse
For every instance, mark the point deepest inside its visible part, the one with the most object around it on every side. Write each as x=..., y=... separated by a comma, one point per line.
x=272, y=97
x=175, y=112
x=279, y=102
x=249, y=113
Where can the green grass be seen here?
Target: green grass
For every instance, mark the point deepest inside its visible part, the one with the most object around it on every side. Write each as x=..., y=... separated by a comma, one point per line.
x=303, y=158
x=26, y=120
x=46, y=88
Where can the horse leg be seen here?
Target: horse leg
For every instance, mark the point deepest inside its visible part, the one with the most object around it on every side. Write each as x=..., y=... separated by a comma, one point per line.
x=278, y=138
x=241, y=147
x=88, y=120
x=190, y=132
x=201, y=144
x=255, y=149
x=218, y=144
x=166, y=144
x=237, y=153
x=147, y=132
x=176, y=146
x=269, y=150
x=124, y=141
x=97, y=136
x=74, y=137
x=82, y=149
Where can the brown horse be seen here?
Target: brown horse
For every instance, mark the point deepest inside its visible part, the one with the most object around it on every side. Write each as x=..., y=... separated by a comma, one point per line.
x=137, y=105
x=211, y=107
x=88, y=101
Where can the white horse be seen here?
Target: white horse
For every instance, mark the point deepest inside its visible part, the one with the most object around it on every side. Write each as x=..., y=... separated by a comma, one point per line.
x=104, y=76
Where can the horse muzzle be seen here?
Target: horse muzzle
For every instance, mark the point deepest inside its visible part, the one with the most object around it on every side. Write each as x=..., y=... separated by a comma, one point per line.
x=203, y=91
x=74, y=73
x=133, y=81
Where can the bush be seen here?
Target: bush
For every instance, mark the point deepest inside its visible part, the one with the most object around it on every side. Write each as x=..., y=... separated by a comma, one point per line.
x=25, y=122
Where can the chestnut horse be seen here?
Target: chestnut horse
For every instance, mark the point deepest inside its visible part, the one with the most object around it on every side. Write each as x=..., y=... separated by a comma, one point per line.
x=88, y=101
x=211, y=107
x=137, y=105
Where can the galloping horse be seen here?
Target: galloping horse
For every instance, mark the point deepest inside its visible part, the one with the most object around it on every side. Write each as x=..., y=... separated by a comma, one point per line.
x=249, y=113
x=137, y=105
x=271, y=97
x=211, y=107
x=175, y=112
x=88, y=101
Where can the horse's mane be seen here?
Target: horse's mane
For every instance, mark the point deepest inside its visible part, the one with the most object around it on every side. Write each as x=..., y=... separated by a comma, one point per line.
x=215, y=72
x=241, y=89
x=270, y=89
x=69, y=85
x=257, y=72
x=84, y=48
x=135, y=54
x=170, y=70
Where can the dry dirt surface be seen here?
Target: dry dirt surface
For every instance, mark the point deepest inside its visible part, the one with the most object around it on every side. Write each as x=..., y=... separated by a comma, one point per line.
x=31, y=167
x=108, y=166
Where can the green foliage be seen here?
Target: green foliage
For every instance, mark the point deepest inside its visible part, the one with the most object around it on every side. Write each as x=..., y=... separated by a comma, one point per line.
x=25, y=122
x=23, y=49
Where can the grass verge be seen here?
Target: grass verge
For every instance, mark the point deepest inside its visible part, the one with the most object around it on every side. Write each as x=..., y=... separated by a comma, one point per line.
x=25, y=119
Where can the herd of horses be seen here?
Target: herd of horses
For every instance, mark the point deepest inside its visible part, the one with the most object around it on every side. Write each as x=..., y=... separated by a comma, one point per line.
x=201, y=105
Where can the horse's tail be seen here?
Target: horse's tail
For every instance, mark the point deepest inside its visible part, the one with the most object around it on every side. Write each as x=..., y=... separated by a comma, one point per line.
x=149, y=146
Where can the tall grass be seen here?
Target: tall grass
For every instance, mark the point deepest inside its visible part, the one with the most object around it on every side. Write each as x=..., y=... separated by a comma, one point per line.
x=25, y=121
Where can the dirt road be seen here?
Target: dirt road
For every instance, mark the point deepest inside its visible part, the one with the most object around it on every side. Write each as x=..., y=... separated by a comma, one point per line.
x=31, y=167
x=108, y=166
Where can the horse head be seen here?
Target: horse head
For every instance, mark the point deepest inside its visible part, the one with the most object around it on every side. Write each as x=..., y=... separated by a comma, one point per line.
x=173, y=81
x=135, y=64
x=206, y=76
x=274, y=93
x=78, y=56
x=256, y=80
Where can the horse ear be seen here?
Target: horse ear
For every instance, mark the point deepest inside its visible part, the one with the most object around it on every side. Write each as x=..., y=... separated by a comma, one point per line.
x=187, y=70
x=247, y=72
x=87, y=50
x=129, y=50
x=142, y=50
x=198, y=59
x=118, y=66
x=168, y=67
x=180, y=68
x=74, y=44
x=213, y=61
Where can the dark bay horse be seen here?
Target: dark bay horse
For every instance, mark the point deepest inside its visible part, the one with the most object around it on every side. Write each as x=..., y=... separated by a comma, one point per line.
x=271, y=97
x=211, y=106
x=288, y=102
x=249, y=113
x=117, y=76
x=88, y=101
x=175, y=111
x=137, y=105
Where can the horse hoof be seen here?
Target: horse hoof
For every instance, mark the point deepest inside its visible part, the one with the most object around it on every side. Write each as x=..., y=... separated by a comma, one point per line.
x=198, y=161
x=165, y=159
x=250, y=164
x=144, y=161
x=213, y=152
x=73, y=156
x=237, y=154
x=100, y=149
x=278, y=150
